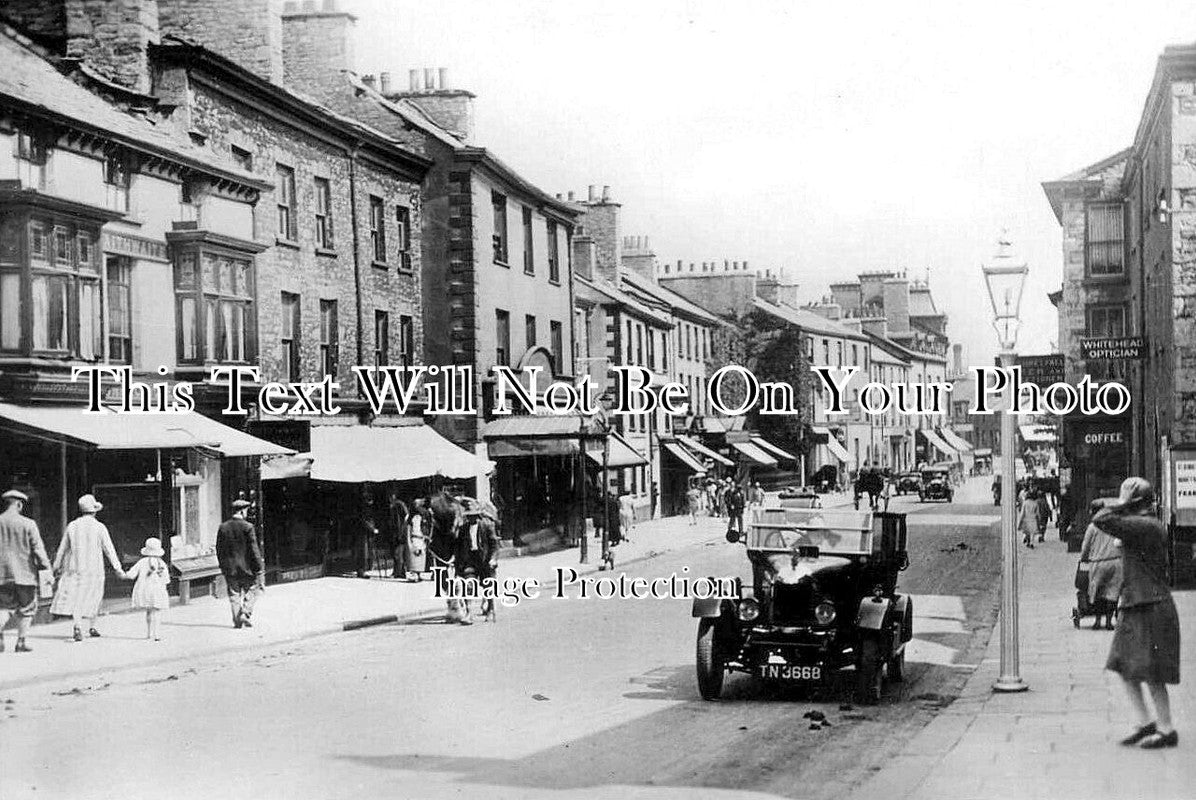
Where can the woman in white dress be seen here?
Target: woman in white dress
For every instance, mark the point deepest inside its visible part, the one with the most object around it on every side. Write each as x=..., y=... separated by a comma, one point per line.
x=79, y=566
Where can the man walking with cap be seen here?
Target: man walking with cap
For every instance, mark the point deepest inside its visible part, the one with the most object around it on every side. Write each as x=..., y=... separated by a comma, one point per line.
x=22, y=554
x=241, y=563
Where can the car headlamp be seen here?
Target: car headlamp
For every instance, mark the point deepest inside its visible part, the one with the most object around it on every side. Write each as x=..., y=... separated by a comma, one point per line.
x=824, y=613
x=748, y=609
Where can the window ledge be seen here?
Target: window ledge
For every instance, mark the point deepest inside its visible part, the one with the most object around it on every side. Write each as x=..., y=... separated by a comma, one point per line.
x=1104, y=280
x=380, y=264
x=326, y=251
x=284, y=242
x=502, y=263
x=530, y=273
x=556, y=282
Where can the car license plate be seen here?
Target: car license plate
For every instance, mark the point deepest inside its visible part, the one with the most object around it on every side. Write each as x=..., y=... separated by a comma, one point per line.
x=790, y=672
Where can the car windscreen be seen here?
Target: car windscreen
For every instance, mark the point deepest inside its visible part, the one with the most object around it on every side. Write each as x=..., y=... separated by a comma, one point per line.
x=830, y=530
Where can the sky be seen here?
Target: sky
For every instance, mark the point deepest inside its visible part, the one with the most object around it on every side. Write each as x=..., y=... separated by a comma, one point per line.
x=822, y=139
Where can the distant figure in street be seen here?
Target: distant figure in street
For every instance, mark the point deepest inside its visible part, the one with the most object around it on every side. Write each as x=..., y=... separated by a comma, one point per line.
x=711, y=498
x=1027, y=519
x=1043, y=515
x=241, y=563
x=415, y=537
x=79, y=564
x=693, y=499
x=735, y=504
x=1145, y=647
x=151, y=577
x=626, y=517
x=396, y=534
x=1102, y=553
x=22, y=554
x=364, y=531
x=757, y=494
x=1067, y=514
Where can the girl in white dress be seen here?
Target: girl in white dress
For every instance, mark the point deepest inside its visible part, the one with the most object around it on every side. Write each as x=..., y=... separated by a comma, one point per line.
x=149, y=592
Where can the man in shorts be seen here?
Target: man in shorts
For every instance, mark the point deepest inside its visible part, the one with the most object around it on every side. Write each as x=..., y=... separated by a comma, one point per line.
x=22, y=554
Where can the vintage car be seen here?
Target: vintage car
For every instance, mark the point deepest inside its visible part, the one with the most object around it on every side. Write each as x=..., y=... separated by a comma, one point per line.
x=907, y=483
x=936, y=485
x=821, y=598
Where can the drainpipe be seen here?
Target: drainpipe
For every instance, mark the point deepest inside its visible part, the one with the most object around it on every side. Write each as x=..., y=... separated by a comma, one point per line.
x=352, y=155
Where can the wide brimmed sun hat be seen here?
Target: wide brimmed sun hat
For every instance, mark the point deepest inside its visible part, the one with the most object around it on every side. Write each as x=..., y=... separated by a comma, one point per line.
x=89, y=505
x=153, y=547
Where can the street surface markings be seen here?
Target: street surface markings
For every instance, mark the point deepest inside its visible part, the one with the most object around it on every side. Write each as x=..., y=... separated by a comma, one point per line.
x=936, y=614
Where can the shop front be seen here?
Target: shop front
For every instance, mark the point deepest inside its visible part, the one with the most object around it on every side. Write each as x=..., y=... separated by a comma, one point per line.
x=163, y=475
x=1096, y=459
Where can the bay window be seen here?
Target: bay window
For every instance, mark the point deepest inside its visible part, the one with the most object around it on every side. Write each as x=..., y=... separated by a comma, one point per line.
x=214, y=300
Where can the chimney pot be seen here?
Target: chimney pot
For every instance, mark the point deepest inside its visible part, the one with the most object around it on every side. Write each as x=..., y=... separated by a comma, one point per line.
x=691, y=266
x=558, y=195
x=593, y=197
x=368, y=80
x=413, y=80
x=606, y=194
x=646, y=245
x=444, y=84
x=570, y=196
x=745, y=265
x=384, y=83
x=429, y=79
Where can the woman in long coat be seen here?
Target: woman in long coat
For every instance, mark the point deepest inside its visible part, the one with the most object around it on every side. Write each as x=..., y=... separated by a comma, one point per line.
x=80, y=567
x=1027, y=519
x=1102, y=553
x=1145, y=646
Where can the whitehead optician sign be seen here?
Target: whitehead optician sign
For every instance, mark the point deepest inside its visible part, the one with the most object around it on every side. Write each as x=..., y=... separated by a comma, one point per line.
x=731, y=391
x=1113, y=349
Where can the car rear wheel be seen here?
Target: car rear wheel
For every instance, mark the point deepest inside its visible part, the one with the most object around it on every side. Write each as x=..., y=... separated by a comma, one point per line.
x=709, y=661
x=870, y=675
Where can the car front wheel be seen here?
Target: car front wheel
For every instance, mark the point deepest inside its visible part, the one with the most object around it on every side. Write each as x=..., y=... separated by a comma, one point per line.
x=709, y=661
x=870, y=675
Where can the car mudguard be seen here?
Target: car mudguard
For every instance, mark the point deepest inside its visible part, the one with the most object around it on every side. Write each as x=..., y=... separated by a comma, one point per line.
x=872, y=614
x=903, y=610
x=708, y=607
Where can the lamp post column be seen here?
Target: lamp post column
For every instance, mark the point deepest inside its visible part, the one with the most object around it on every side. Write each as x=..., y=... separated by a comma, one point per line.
x=1010, y=679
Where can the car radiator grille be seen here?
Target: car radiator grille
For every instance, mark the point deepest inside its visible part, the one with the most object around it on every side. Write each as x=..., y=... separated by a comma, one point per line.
x=792, y=604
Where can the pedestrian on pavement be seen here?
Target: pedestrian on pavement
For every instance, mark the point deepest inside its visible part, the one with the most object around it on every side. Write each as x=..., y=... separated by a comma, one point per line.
x=626, y=517
x=151, y=577
x=396, y=534
x=1067, y=514
x=22, y=555
x=757, y=494
x=693, y=499
x=364, y=532
x=735, y=504
x=241, y=563
x=1145, y=647
x=1043, y=514
x=419, y=529
x=79, y=565
x=711, y=497
x=1102, y=553
x=1027, y=518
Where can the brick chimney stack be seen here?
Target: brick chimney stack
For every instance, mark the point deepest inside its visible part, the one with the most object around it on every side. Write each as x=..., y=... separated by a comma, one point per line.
x=317, y=47
x=248, y=32
x=451, y=109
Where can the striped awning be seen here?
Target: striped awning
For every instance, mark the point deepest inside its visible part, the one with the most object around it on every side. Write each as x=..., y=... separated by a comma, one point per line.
x=752, y=453
x=838, y=450
x=955, y=440
x=772, y=449
x=936, y=441
x=682, y=455
x=703, y=450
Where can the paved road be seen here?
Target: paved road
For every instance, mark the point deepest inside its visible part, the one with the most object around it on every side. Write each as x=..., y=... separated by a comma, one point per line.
x=560, y=698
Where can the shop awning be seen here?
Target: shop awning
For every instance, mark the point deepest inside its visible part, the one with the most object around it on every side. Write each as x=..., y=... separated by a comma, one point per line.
x=684, y=457
x=276, y=468
x=955, y=440
x=938, y=444
x=618, y=456
x=983, y=451
x=838, y=450
x=772, y=449
x=377, y=454
x=536, y=435
x=703, y=450
x=752, y=453
x=109, y=430
x=1037, y=434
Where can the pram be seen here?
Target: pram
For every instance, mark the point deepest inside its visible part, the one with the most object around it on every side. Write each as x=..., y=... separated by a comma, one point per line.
x=1086, y=608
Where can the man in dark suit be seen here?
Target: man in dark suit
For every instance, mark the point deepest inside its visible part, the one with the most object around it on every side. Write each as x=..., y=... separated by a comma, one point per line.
x=241, y=562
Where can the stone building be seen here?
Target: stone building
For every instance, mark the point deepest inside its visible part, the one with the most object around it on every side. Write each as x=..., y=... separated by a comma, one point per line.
x=1129, y=234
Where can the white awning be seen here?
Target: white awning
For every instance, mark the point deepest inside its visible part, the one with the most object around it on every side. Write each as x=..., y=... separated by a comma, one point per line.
x=753, y=453
x=1037, y=434
x=703, y=450
x=955, y=440
x=684, y=457
x=938, y=444
x=771, y=448
x=108, y=430
x=377, y=454
x=838, y=450
x=619, y=453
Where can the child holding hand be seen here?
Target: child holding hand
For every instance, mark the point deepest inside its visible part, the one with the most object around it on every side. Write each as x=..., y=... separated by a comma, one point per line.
x=149, y=592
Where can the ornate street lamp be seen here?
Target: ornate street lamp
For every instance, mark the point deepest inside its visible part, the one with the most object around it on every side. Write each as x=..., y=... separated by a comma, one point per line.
x=1005, y=278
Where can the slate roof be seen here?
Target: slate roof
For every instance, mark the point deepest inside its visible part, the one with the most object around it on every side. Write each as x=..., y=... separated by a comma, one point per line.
x=809, y=321
x=670, y=298
x=30, y=82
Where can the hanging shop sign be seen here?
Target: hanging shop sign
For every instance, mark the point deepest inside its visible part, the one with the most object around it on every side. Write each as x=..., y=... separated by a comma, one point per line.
x=1113, y=349
x=1042, y=370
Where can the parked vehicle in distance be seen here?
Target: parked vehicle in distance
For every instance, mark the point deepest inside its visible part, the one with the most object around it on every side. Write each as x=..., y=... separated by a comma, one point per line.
x=821, y=597
x=936, y=485
x=908, y=483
